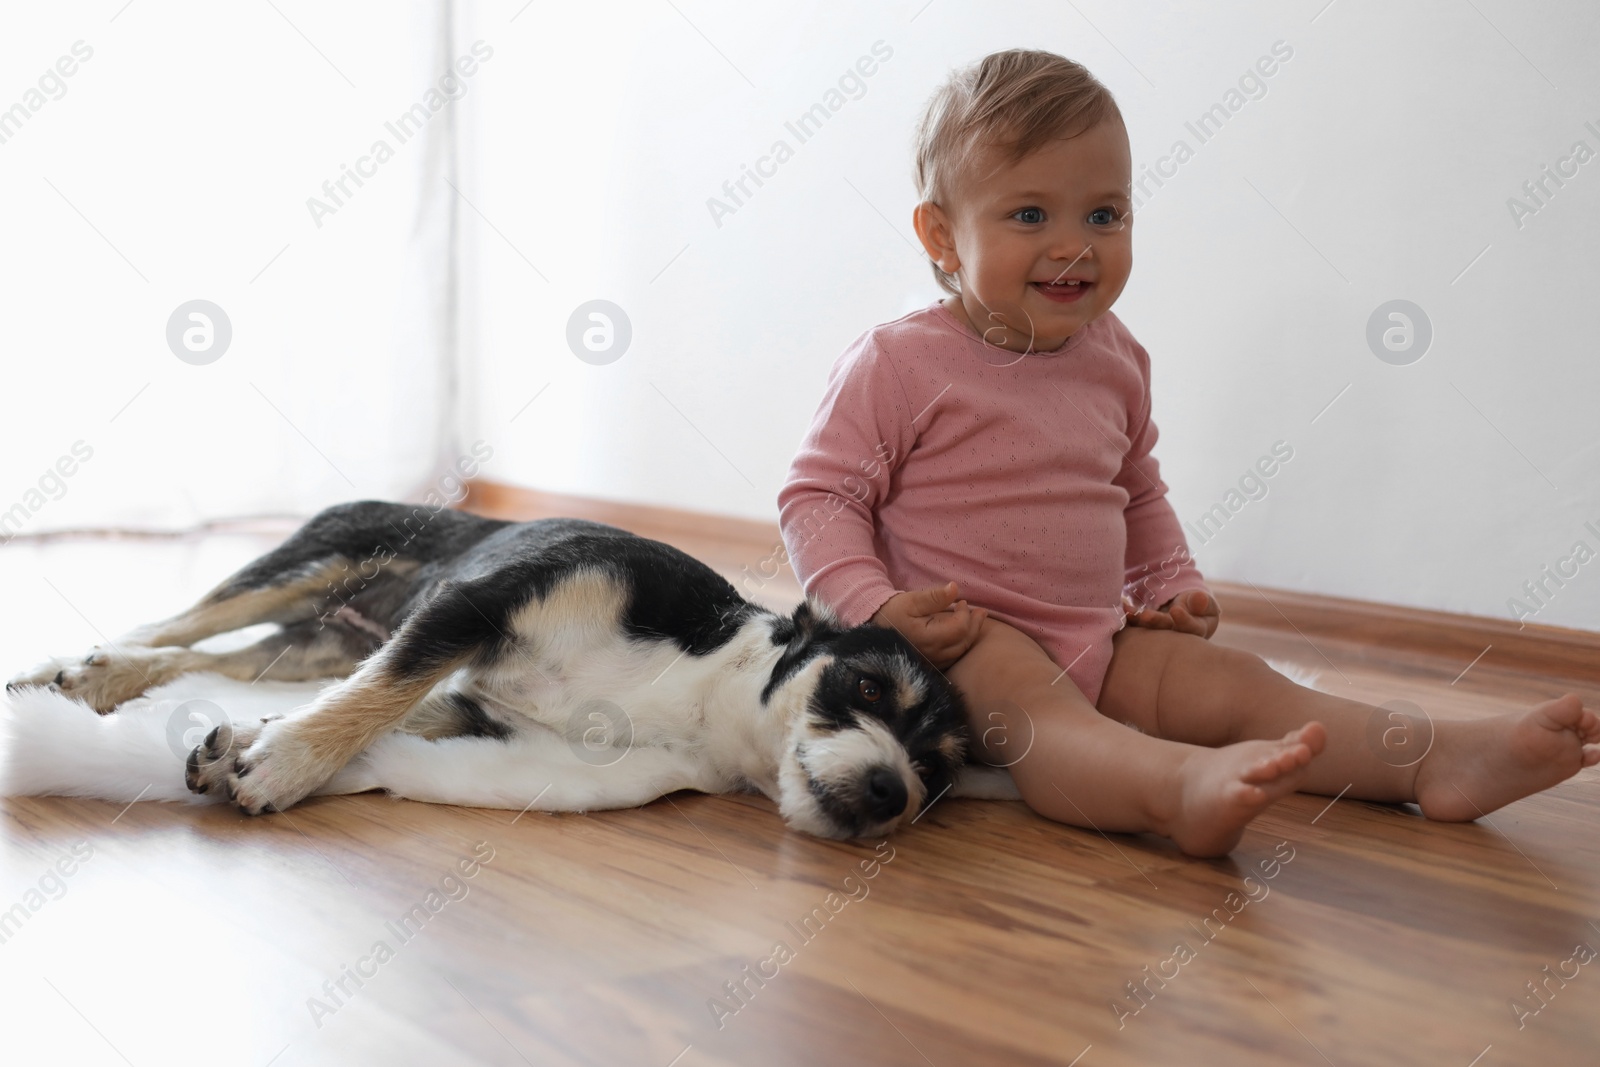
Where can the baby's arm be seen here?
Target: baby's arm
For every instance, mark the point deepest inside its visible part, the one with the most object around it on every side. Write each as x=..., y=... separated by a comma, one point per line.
x=1163, y=588
x=837, y=480
x=860, y=436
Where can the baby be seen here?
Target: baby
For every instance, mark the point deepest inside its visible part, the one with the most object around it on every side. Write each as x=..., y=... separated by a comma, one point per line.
x=998, y=444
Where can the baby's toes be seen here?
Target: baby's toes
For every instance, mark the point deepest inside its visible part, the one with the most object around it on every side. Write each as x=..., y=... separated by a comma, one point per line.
x=1295, y=757
x=1269, y=767
x=1566, y=712
x=1313, y=735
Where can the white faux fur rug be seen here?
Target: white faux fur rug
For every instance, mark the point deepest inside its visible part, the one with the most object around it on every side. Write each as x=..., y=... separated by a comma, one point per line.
x=52, y=745
x=1297, y=675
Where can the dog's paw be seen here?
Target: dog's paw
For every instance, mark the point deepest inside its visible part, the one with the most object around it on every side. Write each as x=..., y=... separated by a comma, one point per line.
x=48, y=674
x=100, y=679
x=260, y=768
x=211, y=764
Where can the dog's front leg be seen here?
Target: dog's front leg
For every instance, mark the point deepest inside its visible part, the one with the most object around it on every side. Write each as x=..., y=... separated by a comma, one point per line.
x=274, y=765
x=278, y=764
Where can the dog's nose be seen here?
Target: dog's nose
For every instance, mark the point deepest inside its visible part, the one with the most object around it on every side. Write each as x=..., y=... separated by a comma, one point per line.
x=885, y=793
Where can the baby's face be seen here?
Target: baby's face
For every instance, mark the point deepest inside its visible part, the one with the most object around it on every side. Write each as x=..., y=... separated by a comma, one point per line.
x=1044, y=246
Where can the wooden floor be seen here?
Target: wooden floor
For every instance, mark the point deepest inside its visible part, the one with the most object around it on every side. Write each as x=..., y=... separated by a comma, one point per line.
x=983, y=935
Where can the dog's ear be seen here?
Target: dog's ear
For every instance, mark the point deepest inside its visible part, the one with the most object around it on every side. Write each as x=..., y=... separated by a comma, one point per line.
x=813, y=620
x=810, y=622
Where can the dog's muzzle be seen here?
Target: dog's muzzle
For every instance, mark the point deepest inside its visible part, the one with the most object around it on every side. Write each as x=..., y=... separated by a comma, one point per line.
x=868, y=806
x=884, y=794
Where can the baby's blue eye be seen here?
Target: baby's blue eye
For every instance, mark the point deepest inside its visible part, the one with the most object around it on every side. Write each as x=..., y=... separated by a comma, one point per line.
x=1030, y=215
x=1102, y=216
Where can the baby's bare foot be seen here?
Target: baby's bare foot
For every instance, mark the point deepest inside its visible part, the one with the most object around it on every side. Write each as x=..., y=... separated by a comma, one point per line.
x=1224, y=788
x=1478, y=765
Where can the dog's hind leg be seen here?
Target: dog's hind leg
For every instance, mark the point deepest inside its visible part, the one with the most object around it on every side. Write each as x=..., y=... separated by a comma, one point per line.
x=364, y=553
x=156, y=653
x=450, y=712
x=312, y=577
x=304, y=592
x=281, y=762
x=297, y=653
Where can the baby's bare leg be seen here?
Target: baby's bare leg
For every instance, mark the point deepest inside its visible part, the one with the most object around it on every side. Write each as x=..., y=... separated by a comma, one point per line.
x=1186, y=689
x=1075, y=765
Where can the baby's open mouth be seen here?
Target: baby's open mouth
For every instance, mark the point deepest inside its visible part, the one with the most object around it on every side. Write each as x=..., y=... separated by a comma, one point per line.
x=1064, y=291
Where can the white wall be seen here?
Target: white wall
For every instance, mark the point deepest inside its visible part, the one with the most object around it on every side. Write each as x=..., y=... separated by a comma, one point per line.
x=1377, y=166
x=175, y=163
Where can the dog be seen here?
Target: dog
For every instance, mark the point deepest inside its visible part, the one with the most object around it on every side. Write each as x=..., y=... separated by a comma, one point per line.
x=559, y=664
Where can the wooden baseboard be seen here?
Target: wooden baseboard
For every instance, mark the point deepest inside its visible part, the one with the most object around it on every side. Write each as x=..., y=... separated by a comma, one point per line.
x=499, y=500
x=749, y=553
x=1390, y=631
x=745, y=549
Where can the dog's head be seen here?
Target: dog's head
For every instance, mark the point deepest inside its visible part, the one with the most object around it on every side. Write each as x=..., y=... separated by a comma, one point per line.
x=874, y=733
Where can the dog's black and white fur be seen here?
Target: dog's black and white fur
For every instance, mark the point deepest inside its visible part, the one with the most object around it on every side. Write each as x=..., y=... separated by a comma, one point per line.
x=575, y=665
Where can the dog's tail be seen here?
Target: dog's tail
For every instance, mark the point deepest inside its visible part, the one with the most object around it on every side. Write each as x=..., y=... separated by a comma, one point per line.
x=54, y=746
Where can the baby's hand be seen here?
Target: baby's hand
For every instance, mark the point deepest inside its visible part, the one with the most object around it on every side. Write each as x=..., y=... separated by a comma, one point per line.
x=941, y=627
x=1191, y=612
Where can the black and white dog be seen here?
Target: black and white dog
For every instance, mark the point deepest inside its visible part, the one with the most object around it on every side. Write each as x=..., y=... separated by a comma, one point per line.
x=560, y=662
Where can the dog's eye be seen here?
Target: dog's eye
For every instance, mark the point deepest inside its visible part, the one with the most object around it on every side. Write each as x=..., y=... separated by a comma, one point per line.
x=869, y=690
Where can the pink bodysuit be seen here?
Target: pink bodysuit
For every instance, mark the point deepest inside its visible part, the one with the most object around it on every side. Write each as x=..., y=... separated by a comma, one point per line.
x=1029, y=480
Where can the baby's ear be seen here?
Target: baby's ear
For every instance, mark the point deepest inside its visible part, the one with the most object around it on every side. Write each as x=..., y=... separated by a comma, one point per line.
x=933, y=230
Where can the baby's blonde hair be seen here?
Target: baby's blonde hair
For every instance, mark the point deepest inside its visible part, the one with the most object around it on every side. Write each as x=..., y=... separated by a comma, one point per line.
x=1015, y=101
